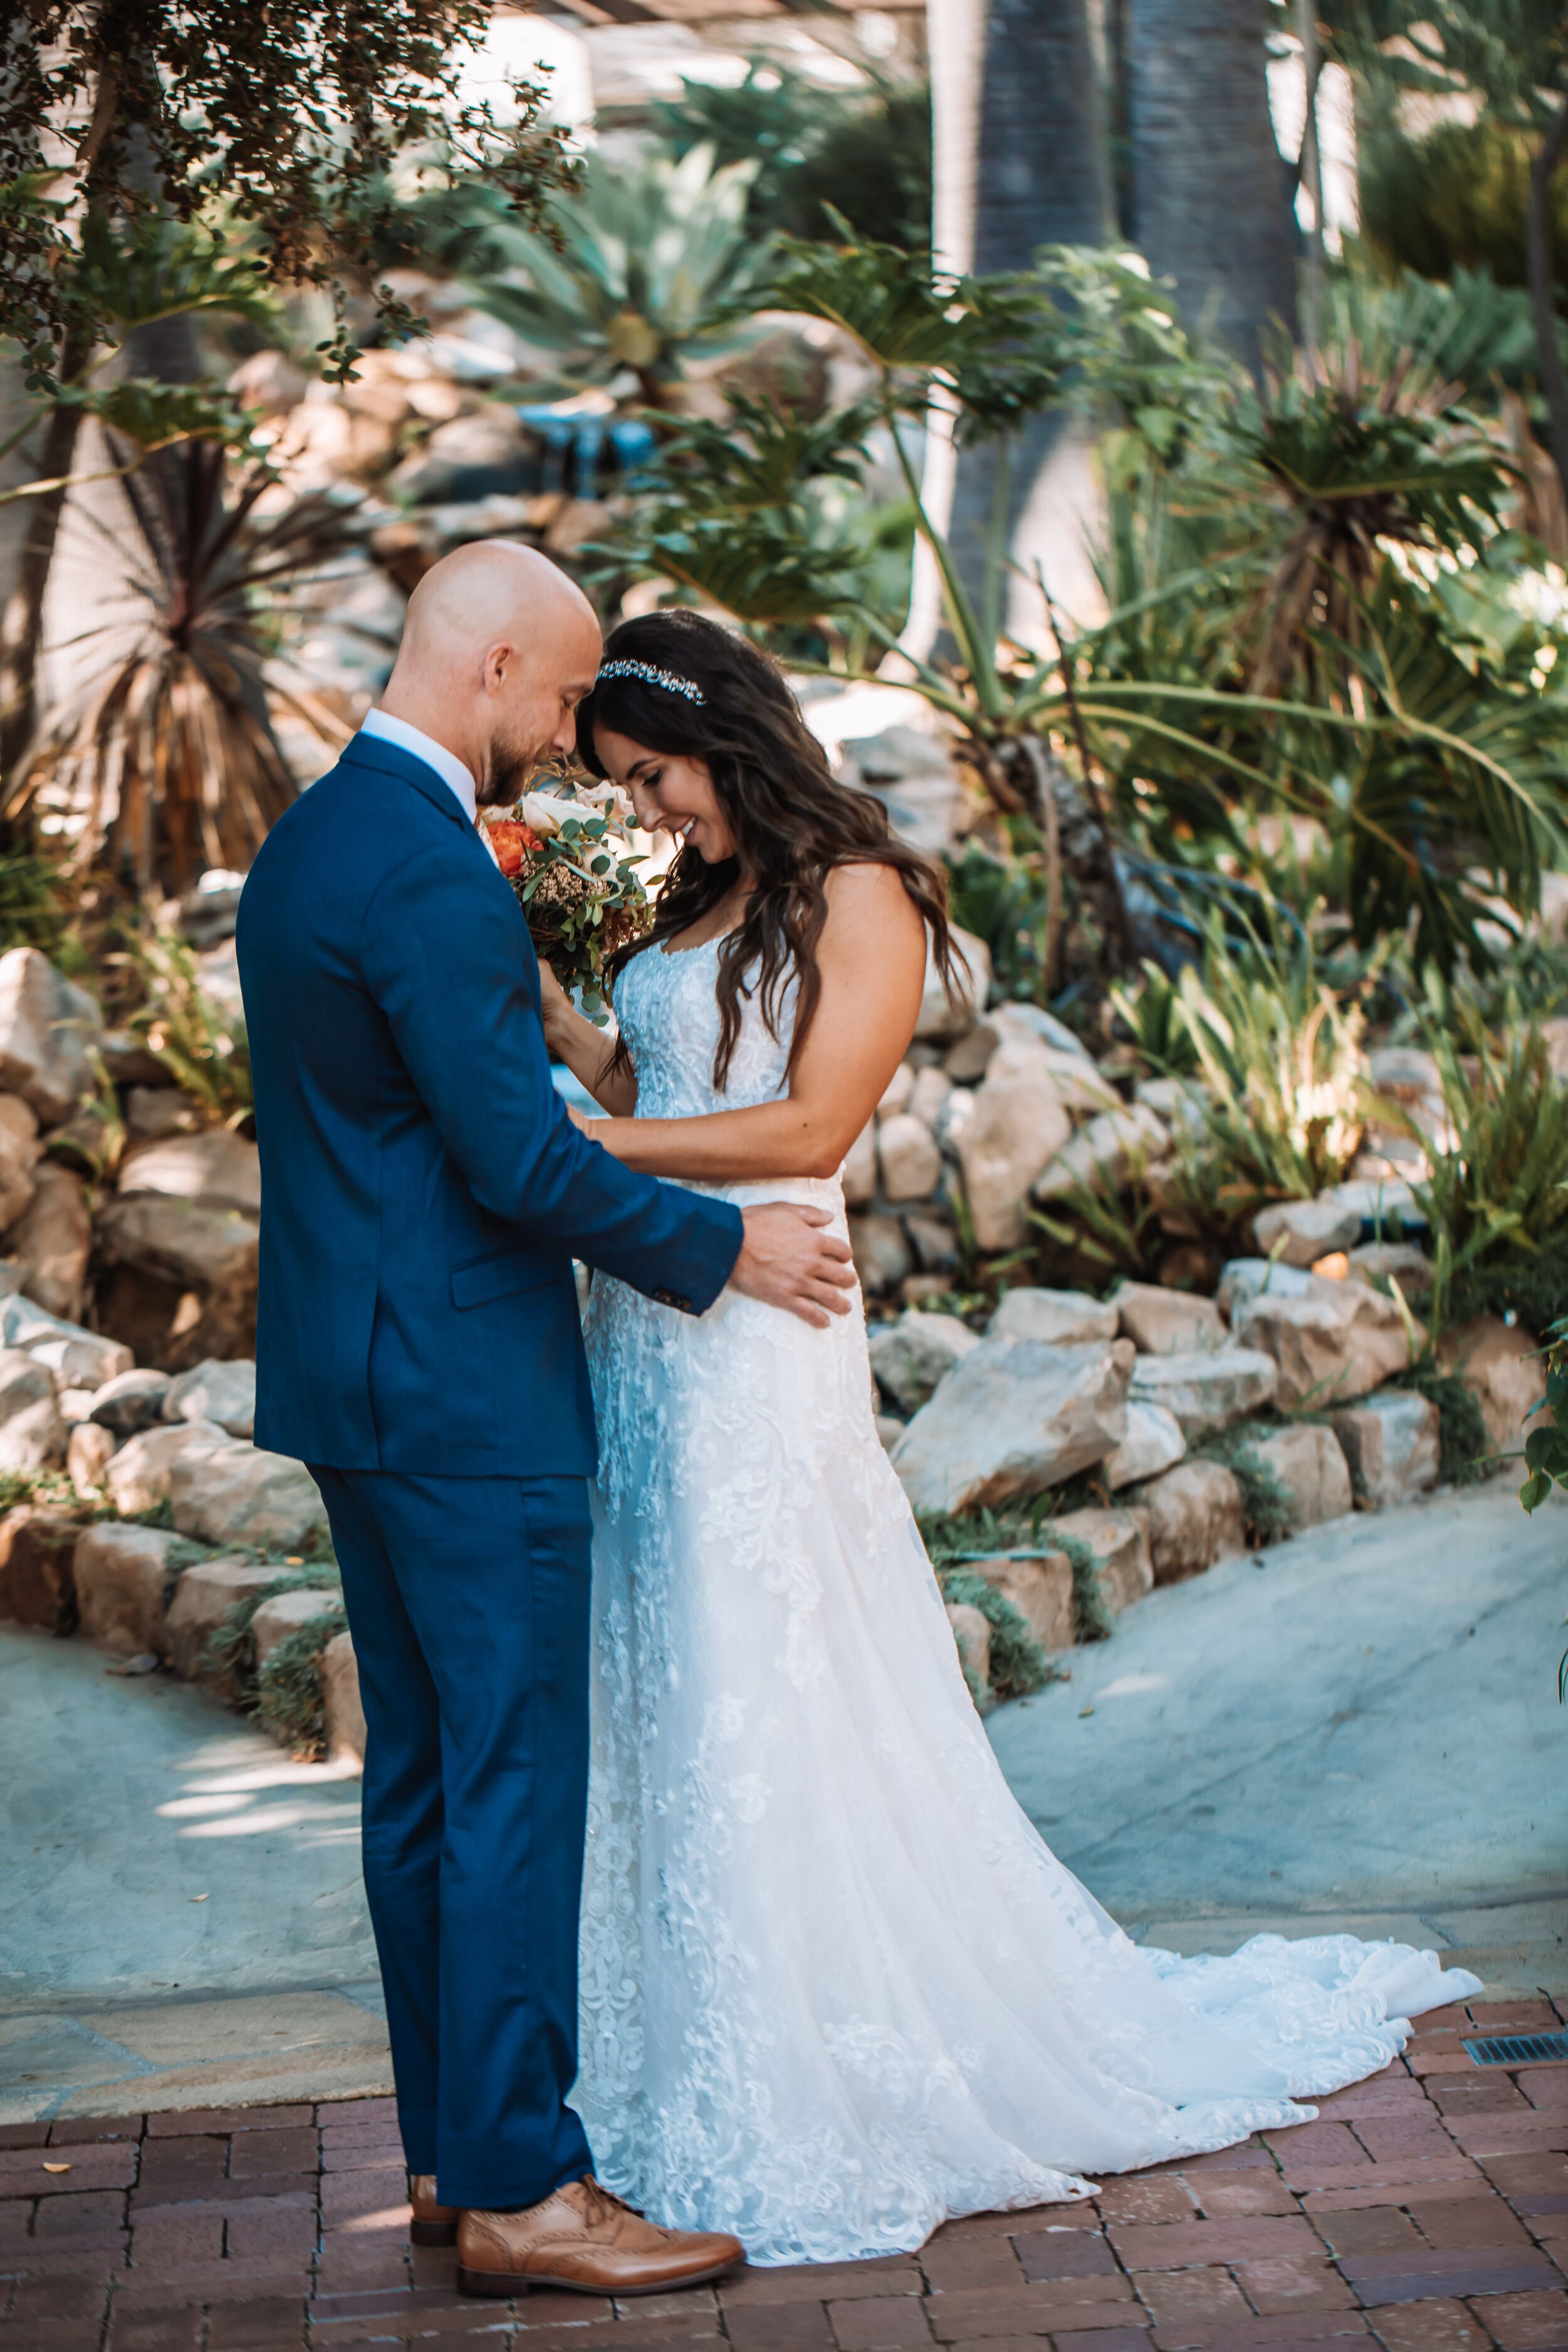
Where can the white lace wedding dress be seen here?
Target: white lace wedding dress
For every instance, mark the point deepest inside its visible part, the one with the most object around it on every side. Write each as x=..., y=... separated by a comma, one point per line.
x=835, y=1987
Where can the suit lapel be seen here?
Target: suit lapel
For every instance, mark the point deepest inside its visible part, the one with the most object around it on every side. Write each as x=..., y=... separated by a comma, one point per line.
x=391, y=760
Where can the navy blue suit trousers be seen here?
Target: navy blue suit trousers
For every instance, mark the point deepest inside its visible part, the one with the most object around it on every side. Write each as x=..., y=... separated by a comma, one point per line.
x=467, y=1599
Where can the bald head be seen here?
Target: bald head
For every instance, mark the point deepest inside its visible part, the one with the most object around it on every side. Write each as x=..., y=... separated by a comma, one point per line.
x=498, y=648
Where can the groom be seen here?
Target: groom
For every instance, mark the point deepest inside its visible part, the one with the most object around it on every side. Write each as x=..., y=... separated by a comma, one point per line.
x=418, y=1346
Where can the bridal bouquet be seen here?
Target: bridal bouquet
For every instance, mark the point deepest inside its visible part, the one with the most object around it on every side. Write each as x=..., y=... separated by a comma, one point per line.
x=565, y=853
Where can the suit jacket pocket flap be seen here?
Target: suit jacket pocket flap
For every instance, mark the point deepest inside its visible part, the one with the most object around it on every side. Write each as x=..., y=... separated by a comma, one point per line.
x=499, y=1277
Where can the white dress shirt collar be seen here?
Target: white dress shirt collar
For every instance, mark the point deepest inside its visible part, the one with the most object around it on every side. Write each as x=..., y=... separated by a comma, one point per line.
x=446, y=764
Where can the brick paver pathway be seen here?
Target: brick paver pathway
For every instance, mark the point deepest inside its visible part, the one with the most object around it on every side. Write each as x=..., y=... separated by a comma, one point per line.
x=1425, y=2211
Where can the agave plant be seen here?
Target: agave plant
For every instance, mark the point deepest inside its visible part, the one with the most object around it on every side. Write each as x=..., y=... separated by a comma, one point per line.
x=166, y=765
x=638, y=269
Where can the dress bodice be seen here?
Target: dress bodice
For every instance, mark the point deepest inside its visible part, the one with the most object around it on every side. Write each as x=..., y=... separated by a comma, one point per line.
x=667, y=1006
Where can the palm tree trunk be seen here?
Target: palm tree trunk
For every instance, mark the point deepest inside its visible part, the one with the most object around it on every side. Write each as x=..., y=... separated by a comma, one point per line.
x=1208, y=183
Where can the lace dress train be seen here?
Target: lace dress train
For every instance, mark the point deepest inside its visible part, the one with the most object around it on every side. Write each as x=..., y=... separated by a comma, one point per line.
x=835, y=1987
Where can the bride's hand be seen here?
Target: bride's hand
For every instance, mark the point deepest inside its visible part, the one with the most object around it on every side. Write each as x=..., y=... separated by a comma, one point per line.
x=555, y=1006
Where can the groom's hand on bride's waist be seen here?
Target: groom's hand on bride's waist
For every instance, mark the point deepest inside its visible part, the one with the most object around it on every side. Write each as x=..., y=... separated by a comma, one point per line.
x=788, y=1260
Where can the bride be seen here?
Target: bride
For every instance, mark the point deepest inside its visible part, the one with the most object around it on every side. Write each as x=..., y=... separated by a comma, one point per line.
x=834, y=1988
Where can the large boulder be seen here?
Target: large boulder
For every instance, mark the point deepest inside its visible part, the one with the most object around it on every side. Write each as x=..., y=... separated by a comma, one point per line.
x=1102, y=1156
x=942, y=1016
x=1244, y=1278
x=1401, y=1262
x=1017, y=1129
x=911, y=1356
x=215, y=1170
x=1039, y=1586
x=971, y=1637
x=1308, y=1463
x=38, y=1569
x=32, y=1430
x=1194, y=1519
x=1153, y=1442
x=19, y=1153
x=286, y=1613
x=1340, y=1341
x=227, y=1492
x=49, y=1033
x=139, y=1477
x=125, y=1580
x=1013, y=1417
x=1062, y=1319
x=203, y=1599
x=881, y=1254
x=90, y=1447
x=1391, y=1443
x=1080, y=1085
x=1300, y=1231
x=213, y=1392
x=182, y=1241
x=130, y=1400
x=931, y=1090
x=911, y=1161
x=1167, y=1322
x=78, y=1359
x=1503, y=1370
x=1208, y=1389
x=859, y=1171
x=51, y=1242
x=340, y=1701
x=1119, y=1540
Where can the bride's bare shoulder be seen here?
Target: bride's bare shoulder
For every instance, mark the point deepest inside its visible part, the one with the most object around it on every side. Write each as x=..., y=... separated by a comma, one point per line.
x=869, y=893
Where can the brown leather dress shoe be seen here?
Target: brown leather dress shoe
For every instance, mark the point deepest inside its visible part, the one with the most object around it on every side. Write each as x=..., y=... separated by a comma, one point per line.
x=583, y=2238
x=433, y=2224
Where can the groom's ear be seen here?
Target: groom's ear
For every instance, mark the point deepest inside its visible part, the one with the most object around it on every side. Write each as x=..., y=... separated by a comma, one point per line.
x=497, y=665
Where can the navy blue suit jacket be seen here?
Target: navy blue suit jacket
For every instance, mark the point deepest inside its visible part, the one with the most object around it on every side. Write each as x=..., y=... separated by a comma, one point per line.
x=424, y=1190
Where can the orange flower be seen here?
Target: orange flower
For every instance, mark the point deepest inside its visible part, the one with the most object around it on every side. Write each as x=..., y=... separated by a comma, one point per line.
x=512, y=842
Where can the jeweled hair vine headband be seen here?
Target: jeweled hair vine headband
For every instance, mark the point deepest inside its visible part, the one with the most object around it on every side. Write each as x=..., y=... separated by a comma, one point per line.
x=651, y=675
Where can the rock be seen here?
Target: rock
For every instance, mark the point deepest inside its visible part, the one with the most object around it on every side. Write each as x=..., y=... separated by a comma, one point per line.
x=1391, y=1443
x=896, y=1094
x=214, y=1170
x=1194, y=1519
x=1503, y=1372
x=125, y=1581
x=935, y=1245
x=52, y=1242
x=76, y=1404
x=1244, y=1278
x=927, y=1096
x=129, y=1062
x=859, y=1173
x=1039, y=1586
x=38, y=1569
x=88, y=1451
x=153, y=1114
x=967, y=1061
x=1167, y=1322
x=1013, y=1417
x=341, y=1703
x=284, y=1615
x=32, y=1432
x=213, y=1392
x=130, y=1401
x=1338, y=1342
x=1061, y=1318
x=971, y=1633
x=910, y=1162
x=19, y=1152
x=1404, y=1073
x=1409, y=1267
x=1308, y=1462
x=49, y=1033
x=1019, y=1018
x=270, y=381
x=941, y=1018
x=1120, y=1542
x=889, y=1429
x=1014, y=1131
x=880, y=1253
x=1153, y=1444
x=1180, y=1102
x=953, y=1117
x=1298, y=1233
x=468, y=458
x=1386, y=1203
x=229, y=1492
x=183, y=1241
x=910, y=1355
x=1207, y=1389
x=1080, y=1086
x=138, y=1477
x=203, y=1599
x=78, y=1359
x=1104, y=1154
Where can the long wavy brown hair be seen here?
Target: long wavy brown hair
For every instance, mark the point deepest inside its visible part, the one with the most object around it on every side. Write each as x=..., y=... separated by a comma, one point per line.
x=792, y=822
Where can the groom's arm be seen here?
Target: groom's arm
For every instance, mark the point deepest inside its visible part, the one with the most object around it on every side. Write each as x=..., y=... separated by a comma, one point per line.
x=447, y=955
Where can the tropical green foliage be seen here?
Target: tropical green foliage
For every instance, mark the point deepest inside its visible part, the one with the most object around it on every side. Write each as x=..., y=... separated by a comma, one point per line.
x=1497, y=1203
x=196, y=1041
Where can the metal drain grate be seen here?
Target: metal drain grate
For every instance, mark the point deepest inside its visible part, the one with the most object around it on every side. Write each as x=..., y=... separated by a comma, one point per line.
x=1517, y=2049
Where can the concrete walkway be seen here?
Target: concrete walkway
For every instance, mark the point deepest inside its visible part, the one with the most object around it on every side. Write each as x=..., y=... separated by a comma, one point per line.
x=1359, y=1728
